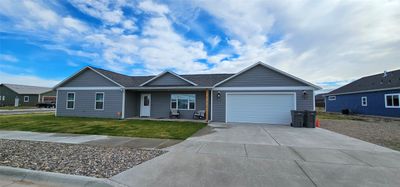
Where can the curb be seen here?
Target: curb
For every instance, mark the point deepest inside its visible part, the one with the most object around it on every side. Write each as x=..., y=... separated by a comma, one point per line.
x=53, y=179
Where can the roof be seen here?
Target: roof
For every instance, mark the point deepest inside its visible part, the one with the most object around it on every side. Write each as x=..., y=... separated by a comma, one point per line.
x=375, y=82
x=25, y=89
x=197, y=80
x=259, y=63
x=202, y=80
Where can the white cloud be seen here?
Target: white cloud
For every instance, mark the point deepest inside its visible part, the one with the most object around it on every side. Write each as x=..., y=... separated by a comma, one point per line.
x=108, y=11
x=150, y=6
x=8, y=58
x=72, y=64
x=27, y=80
x=74, y=24
x=318, y=40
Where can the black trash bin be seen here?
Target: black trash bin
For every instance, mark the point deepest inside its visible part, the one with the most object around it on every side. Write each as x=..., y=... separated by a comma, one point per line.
x=297, y=118
x=309, y=119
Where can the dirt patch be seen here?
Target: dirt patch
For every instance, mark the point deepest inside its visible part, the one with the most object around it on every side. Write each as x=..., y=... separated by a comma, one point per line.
x=383, y=132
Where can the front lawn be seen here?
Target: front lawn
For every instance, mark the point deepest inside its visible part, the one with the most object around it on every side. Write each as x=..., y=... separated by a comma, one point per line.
x=113, y=127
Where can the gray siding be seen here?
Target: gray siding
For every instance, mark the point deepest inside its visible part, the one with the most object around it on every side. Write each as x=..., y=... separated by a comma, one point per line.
x=11, y=95
x=88, y=78
x=261, y=76
x=84, y=103
x=160, y=104
x=132, y=104
x=219, y=104
x=168, y=80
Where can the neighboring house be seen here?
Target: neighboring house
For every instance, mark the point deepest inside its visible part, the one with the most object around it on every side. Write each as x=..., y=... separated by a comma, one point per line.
x=23, y=95
x=319, y=100
x=372, y=95
x=257, y=94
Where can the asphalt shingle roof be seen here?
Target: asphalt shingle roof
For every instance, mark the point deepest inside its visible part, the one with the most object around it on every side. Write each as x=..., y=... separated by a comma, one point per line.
x=373, y=82
x=202, y=80
x=25, y=89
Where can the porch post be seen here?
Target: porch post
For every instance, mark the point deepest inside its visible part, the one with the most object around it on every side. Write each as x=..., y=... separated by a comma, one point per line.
x=207, y=95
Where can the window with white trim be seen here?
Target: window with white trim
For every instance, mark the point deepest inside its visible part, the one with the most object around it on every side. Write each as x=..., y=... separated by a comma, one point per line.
x=364, y=101
x=99, y=101
x=331, y=98
x=183, y=101
x=70, y=100
x=392, y=100
x=4, y=98
x=26, y=99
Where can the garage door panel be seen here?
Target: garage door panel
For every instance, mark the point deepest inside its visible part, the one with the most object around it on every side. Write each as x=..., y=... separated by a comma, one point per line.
x=260, y=108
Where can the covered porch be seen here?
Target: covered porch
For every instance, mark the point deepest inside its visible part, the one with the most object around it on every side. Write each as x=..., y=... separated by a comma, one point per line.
x=157, y=103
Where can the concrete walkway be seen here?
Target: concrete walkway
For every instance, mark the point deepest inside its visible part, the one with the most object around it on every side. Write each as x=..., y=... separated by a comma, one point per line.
x=255, y=155
x=149, y=143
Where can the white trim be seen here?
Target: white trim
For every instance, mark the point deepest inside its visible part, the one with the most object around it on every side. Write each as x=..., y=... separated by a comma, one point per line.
x=55, y=112
x=272, y=68
x=177, y=105
x=168, y=88
x=211, y=108
x=257, y=93
x=164, y=72
x=77, y=73
x=89, y=88
x=95, y=100
x=264, y=88
x=38, y=99
x=332, y=98
x=313, y=95
x=366, y=101
x=123, y=104
x=363, y=91
x=66, y=101
x=392, y=94
x=26, y=101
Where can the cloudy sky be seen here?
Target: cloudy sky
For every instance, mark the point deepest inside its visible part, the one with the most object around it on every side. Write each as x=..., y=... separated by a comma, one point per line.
x=327, y=42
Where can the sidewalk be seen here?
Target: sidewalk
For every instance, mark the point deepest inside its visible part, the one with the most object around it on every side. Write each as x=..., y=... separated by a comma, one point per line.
x=132, y=142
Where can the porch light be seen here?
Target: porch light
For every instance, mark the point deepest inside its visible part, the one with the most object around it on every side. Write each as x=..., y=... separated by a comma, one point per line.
x=304, y=94
x=218, y=95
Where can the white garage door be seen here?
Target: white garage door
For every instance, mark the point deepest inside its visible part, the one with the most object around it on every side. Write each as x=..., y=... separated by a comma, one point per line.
x=271, y=108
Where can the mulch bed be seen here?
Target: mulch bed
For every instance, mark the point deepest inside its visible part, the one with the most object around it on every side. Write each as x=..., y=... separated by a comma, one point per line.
x=75, y=159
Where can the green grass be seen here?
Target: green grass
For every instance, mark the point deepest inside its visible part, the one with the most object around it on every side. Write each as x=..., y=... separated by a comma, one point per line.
x=15, y=108
x=113, y=127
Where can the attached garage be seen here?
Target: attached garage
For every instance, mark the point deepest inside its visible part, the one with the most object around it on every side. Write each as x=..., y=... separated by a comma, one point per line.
x=260, y=107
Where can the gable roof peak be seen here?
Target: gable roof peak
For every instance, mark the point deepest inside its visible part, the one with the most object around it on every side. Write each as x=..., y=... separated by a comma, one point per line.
x=170, y=72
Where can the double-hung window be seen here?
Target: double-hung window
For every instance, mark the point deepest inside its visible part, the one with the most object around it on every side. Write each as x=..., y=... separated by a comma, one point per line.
x=99, y=101
x=26, y=99
x=392, y=100
x=70, y=100
x=183, y=101
x=364, y=101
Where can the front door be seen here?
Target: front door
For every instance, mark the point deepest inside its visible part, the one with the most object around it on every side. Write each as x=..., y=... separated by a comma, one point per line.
x=145, y=103
x=16, y=101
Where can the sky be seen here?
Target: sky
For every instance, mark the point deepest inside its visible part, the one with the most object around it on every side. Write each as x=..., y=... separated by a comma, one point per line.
x=329, y=43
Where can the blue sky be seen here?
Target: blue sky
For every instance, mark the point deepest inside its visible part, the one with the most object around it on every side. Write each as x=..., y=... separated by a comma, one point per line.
x=328, y=43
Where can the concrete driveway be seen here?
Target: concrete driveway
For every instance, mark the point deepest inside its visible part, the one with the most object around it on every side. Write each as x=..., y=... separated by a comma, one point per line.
x=256, y=155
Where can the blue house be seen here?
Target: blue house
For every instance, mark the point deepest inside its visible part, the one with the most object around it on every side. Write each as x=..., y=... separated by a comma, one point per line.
x=372, y=95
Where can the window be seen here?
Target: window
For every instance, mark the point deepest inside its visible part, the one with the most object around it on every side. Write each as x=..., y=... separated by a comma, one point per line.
x=70, y=100
x=26, y=99
x=183, y=101
x=4, y=98
x=99, y=101
x=364, y=101
x=392, y=100
x=332, y=98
